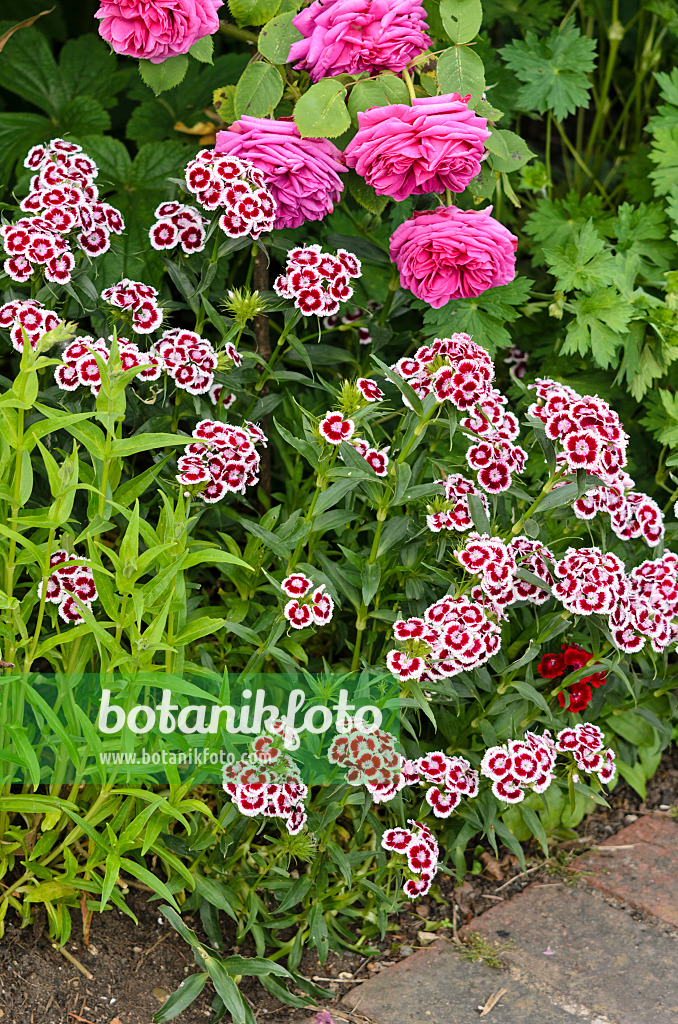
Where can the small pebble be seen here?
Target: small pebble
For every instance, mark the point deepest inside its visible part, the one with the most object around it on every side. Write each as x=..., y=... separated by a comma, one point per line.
x=423, y=909
x=424, y=938
x=630, y=818
x=406, y=951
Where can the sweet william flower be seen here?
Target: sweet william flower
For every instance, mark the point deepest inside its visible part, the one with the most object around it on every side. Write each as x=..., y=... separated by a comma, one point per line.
x=156, y=29
x=352, y=36
x=434, y=144
x=447, y=254
x=335, y=429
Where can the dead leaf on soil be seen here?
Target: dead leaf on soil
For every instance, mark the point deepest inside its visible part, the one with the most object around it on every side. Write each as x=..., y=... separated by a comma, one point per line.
x=491, y=866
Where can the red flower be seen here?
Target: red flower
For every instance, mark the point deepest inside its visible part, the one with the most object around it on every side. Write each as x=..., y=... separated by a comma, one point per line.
x=580, y=696
x=551, y=666
x=575, y=657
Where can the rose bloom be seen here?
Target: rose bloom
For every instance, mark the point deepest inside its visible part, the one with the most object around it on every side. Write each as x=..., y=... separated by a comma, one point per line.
x=156, y=29
x=302, y=174
x=435, y=144
x=449, y=254
x=352, y=36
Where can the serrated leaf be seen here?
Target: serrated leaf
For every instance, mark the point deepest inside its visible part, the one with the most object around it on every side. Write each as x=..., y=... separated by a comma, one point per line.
x=203, y=50
x=508, y=150
x=259, y=90
x=364, y=194
x=377, y=92
x=461, y=70
x=164, y=76
x=554, y=70
x=321, y=112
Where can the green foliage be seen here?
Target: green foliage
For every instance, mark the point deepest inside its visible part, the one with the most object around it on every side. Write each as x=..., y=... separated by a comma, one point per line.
x=258, y=91
x=554, y=71
x=73, y=95
x=321, y=112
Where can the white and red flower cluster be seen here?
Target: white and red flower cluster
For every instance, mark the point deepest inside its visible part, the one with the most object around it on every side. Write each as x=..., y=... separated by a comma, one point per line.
x=376, y=458
x=27, y=318
x=139, y=301
x=649, y=607
x=221, y=459
x=80, y=368
x=418, y=845
x=64, y=207
x=370, y=760
x=308, y=604
x=592, y=438
x=452, y=778
x=520, y=765
x=497, y=564
x=589, y=581
x=456, y=514
x=586, y=743
x=460, y=371
x=67, y=582
x=268, y=782
x=234, y=187
x=178, y=224
x=189, y=359
x=455, y=635
x=317, y=280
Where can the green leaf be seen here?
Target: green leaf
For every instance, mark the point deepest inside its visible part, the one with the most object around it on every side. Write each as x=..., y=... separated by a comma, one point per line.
x=164, y=76
x=508, y=150
x=321, y=112
x=370, y=578
x=277, y=36
x=377, y=92
x=585, y=263
x=253, y=12
x=217, y=894
x=485, y=316
x=600, y=325
x=461, y=70
x=123, y=447
x=461, y=19
x=535, y=826
x=227, y=989
x=554, y=70
x=318, y=929
x=181, y=999
x=254, y=966
x=259, y=90
x=365, y=194
x=203, y=50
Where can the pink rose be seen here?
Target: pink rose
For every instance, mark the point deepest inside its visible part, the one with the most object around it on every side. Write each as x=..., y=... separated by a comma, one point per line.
x=302, y=174
x=351, y=36
x=156, y=29
x=449, y=254
x=435, y=144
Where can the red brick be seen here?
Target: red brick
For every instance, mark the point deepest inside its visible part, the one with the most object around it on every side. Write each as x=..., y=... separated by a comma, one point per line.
x=640, y=866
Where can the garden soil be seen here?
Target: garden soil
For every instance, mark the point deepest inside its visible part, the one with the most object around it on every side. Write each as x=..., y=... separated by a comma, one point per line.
x=133, y=968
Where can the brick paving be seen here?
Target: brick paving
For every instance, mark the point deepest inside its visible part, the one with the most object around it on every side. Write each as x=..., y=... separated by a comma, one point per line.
x=577, y=952
x=639, y=865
